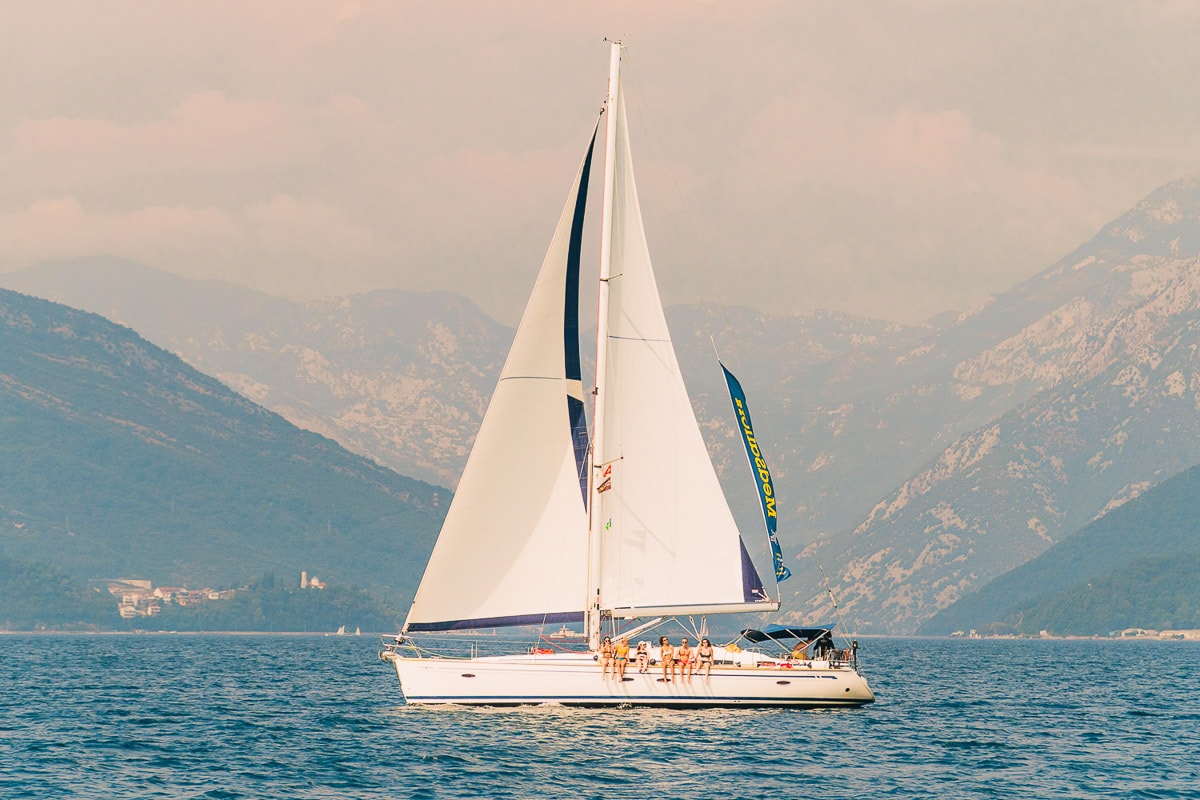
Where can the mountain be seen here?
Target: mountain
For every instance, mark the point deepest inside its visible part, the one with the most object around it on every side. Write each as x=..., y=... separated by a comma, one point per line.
x=402, y=377
x=119, y=460
x=913, y=464
x=1097, y=361
x=1161, y=594
x=1154, y=537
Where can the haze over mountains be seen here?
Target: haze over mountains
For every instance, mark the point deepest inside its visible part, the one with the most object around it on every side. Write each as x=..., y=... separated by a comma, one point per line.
x=914, y=463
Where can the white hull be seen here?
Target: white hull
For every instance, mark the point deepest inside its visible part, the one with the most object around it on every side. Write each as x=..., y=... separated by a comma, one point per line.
x=575, y=679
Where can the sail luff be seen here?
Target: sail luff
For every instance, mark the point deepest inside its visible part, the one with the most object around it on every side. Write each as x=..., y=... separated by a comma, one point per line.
x=573, y=367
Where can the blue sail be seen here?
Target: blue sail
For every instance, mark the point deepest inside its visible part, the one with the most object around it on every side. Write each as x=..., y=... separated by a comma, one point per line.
x=574, y=372
x=762, y=475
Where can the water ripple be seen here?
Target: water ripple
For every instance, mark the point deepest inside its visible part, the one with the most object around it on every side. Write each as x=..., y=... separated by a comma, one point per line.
x=315, y=717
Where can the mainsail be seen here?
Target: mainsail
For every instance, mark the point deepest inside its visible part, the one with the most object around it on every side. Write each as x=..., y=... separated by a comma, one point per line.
x=513, y=548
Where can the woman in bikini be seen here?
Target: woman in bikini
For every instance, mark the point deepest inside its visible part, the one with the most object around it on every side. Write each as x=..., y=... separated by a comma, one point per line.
x=606, y=657
x=643, y=656
x=683, y=660
x=704, y=654
x=622, y=657
x=666, y=654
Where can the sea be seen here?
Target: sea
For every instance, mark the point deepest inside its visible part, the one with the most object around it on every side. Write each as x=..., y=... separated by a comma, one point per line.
x=278, y=716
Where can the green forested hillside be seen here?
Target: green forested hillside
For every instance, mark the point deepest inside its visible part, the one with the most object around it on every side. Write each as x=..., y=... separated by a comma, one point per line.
x=118, y=460
x=273, y=604
x=39, y=597
x=1142, y=552
x=1159, y=593
x=35, y=596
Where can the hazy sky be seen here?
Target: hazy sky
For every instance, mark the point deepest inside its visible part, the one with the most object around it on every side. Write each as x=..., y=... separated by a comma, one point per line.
x=889, y=159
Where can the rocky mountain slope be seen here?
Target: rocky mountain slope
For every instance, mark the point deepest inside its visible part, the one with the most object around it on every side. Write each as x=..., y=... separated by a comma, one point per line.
x=119, y=460
x=1103, y=388
x=1064, y=590
x=399, y=376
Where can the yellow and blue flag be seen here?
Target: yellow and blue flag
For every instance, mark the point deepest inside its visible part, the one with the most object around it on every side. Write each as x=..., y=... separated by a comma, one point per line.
x=762, y=475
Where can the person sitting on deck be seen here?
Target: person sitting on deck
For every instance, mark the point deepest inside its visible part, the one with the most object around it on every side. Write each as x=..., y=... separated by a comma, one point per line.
x=606, y=657
x=643, y=656
x=622, y=652
x=704, y=655
x=683, y=660
x=667, y=654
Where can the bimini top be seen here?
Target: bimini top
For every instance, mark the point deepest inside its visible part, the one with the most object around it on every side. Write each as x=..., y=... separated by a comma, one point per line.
x=776, y=632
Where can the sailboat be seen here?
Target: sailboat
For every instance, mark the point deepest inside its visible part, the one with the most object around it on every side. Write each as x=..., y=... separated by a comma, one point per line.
x=623, y=530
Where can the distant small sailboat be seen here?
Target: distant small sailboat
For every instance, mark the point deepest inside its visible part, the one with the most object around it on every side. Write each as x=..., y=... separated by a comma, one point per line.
x=551, y=527
x=358, y=632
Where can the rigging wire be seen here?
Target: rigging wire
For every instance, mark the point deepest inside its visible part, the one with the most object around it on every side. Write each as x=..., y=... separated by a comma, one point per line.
x=837, y=616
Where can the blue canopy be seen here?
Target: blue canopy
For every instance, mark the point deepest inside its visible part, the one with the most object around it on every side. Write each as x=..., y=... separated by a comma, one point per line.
x=777, y=632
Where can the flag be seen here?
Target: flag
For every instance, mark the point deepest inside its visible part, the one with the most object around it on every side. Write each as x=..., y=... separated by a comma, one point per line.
x=762, y=475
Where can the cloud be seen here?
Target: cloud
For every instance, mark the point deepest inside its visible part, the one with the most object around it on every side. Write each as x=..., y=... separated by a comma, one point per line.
x=204, y=142
x=283, y=240
x=859, y=205
x=888, y=159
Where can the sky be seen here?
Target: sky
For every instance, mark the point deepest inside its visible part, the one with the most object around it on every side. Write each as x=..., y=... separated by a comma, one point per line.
x=888, y=159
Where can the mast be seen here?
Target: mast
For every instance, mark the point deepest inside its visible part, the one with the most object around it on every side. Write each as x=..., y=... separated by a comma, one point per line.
x=592, y=613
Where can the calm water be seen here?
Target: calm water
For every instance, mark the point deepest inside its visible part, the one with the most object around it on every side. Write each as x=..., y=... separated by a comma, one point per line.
x=320, y=717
